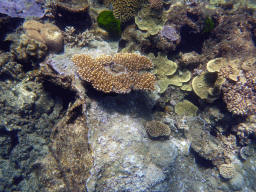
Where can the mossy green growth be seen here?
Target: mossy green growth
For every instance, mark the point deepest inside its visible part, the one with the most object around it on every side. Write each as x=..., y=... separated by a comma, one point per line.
x=107, y=21
x=208, y=25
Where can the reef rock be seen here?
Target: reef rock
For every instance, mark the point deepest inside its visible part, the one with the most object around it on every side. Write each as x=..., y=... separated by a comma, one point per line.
x=125, y=159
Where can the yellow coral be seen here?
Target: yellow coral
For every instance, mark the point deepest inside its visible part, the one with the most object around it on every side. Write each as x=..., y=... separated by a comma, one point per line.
x=208, y=85
x=187, y=108
x=118, y=74
x=150, y=20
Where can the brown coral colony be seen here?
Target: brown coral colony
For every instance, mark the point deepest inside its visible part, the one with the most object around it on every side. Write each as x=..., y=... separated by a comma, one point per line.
x=119, y=73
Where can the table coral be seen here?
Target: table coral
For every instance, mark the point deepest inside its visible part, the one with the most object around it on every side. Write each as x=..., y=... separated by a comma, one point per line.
x=118, y=73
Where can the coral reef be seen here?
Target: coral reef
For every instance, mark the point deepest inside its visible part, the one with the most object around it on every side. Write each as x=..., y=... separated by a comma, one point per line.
x=28, y=115
x=170, y=34
x=165, y=72
x=163, y=66
x=9, y=67
x=124, y=156
x=53, y=38
x=74, y=6
x=241, y=40
x=134, y=40
x=157, y=129
x=116, y=74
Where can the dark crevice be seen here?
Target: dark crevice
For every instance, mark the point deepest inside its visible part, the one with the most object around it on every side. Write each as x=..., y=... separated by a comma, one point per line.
x=66, y=95
x=17, y=180
x=13, y=136
x=190, y=40
x=200, y=161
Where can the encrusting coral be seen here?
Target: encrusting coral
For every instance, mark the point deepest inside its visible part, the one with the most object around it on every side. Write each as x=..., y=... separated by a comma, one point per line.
x=118, y=73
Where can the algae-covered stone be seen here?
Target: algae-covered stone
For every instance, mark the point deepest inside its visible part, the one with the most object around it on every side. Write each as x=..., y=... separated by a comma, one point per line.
x=207, y=86
x=150, y=20
x=186, y=108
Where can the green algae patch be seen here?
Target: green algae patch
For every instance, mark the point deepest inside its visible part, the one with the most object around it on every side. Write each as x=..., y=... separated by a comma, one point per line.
x=107, y=21
x=208, y=25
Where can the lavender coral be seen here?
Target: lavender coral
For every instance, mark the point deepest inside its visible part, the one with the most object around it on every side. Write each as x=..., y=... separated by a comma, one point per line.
x=21, y=8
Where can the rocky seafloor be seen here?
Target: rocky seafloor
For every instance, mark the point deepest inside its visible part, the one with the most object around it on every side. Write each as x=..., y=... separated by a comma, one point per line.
x=162, y=98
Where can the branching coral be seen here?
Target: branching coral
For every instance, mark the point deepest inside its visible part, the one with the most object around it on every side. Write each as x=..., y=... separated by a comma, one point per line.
x=80, y=40
x=119, y=74
x=244, y=130
x=240, y=97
